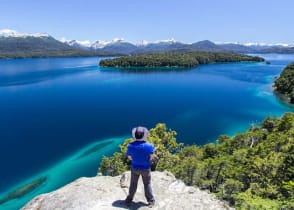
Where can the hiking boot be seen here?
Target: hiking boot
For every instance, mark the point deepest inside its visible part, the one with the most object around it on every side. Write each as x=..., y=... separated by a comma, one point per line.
x=151, y=204
x=128, y=202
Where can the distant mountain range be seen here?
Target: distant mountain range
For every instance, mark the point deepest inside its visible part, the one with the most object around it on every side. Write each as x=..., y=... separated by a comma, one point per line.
x=18, y=45
x=124, y=47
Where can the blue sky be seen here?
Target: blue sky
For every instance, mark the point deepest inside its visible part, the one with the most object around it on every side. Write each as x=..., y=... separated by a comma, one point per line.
x=267, y=21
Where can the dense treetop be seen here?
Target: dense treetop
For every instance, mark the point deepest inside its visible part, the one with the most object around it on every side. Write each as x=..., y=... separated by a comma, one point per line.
x=252, y=170
x=176, y=59
x=285, y=83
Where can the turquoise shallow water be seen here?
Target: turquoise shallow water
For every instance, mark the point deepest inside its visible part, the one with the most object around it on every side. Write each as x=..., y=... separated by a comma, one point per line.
x=59, y=116
x=67, y=169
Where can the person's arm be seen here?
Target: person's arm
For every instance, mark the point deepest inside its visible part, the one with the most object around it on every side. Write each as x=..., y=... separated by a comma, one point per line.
x=129, y=152
x=152, y=156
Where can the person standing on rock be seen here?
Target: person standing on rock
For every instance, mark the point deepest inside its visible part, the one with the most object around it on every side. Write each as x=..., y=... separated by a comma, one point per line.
x=140, y=153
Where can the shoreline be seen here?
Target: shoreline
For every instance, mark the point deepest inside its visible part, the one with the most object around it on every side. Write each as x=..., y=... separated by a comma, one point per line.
x=61, y=173
x=282, y=97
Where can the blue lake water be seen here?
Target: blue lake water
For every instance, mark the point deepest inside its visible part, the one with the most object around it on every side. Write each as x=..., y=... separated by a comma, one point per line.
x=58, y=116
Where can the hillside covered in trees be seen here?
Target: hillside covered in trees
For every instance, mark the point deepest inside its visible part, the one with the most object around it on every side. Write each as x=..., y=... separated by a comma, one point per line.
x=285, y=83
x=176, y=59
x=252, y=170
x=35, y=47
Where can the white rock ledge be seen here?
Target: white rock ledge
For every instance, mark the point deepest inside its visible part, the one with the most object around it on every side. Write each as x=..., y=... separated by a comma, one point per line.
x=106, y=193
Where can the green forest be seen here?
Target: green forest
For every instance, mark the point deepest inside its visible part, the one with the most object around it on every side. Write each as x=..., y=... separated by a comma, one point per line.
x=176, y=59
x=285, y=83
x=251, y=170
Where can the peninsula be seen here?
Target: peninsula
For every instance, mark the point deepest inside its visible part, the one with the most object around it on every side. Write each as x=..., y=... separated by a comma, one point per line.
x=285, y=83
x=177, y=59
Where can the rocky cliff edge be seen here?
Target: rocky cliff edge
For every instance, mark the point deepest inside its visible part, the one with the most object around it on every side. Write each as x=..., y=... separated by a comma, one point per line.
x=106, y=193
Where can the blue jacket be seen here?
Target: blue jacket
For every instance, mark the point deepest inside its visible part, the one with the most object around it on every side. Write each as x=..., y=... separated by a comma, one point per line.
x=140, y=152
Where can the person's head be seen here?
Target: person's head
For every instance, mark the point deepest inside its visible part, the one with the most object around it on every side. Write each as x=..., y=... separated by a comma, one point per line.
x=140, y=133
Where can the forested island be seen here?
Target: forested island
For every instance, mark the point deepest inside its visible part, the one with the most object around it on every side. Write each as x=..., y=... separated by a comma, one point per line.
x=176, y=59
x=252, y=170
x=285, y=83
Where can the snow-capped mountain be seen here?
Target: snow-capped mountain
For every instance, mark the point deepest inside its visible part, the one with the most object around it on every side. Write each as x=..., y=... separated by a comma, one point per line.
x=42, y=42
x=23, y=45
x=166, y=41
x=97, y=45
x=142, y=43
x=101, y=44
x=256, y=44
x=13, y=33
x=119, y=45
x=77, y=44
x=162, y=45
x=257, y=47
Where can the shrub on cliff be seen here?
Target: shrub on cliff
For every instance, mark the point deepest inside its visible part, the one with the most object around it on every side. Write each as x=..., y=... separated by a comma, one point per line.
x=253, y=170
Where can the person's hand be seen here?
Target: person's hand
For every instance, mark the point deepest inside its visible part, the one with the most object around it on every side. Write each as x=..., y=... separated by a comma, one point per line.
x=154, y=162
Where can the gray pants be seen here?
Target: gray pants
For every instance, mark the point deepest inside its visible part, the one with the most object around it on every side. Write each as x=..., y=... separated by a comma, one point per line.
x=146, y=177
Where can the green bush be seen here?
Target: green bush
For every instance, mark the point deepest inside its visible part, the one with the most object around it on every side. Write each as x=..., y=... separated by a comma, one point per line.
x=253, y=170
